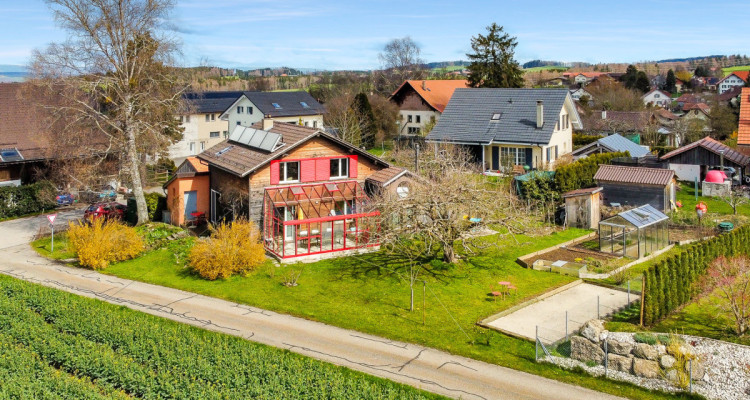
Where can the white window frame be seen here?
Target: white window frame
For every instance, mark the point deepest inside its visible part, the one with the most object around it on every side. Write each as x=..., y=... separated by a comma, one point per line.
x=343, y=164
x=214, y=135
x=517, y=153
x=283, y=172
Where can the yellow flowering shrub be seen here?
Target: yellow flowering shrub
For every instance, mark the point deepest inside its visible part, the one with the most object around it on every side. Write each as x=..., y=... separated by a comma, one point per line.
x=233, y=248
x=100, y=243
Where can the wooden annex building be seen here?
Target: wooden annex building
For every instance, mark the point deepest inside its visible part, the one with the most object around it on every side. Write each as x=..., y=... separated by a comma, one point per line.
x=696, y=159
x=636, y=186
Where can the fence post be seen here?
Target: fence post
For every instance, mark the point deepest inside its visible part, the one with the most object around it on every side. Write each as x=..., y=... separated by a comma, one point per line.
x=598, y=314
x=566, y=325
x=628, y=292
x=691, y=375
x=536, y=345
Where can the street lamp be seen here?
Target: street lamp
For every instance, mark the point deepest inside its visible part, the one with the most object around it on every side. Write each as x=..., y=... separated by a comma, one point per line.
x=606, y=352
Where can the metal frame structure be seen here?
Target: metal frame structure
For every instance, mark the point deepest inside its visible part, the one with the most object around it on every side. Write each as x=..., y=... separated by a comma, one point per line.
x=301, y=220
x=647, y=225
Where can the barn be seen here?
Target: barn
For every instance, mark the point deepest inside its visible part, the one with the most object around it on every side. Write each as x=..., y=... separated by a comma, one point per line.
x=636, y=186
x=696, y=159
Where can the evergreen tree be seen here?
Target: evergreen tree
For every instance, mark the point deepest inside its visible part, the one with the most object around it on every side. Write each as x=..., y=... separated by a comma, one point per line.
x=642, y=83
x=492, y=63
x=630, y=77
x=362, y=107
x=671, y=81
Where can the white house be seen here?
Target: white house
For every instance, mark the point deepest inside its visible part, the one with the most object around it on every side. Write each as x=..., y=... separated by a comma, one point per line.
x=291, y=107
x=737, y=78
x=658, y=98
x=578, y=92
x=510, y=127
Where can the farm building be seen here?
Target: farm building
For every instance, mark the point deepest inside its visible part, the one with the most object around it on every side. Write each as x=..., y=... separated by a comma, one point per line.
x=634, y=233
x=696, y=159
x=636, y=186
x=582, y=207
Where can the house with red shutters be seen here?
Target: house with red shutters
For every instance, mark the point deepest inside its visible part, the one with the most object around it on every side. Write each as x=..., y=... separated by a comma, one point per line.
x=308, y=191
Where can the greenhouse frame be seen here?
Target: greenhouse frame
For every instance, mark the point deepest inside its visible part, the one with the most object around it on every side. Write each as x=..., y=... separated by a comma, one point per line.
x=634, y=233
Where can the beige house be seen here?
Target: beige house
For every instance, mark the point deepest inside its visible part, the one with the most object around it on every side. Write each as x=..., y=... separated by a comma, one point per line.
x=298, y=108
x=505, y=128
x=422, y=102
x=201, y=123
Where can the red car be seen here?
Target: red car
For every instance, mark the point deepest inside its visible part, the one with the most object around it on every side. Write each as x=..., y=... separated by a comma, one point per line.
x=108, y=211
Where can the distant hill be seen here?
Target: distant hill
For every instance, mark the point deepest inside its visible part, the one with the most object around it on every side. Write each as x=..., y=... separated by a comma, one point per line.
x=12, y=73
x=688, y=59
x=446, y=64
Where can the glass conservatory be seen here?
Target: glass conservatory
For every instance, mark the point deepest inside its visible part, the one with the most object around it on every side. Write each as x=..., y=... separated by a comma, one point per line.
x=634, y=233
x=302, y=220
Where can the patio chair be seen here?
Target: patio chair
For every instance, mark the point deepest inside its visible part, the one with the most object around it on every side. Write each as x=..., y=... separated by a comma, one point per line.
x=495, y=293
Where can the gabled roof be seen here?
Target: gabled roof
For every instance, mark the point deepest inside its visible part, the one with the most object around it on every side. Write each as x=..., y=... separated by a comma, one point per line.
x=189, y=168
x=582, y=192
x=386, y=176
x=616, y=143
x=436, y=93
x=643, y=216
x=666, y=114
x=197, y=166
x=622, y=121
x=713, y=146
x=667, y=95
x=290, y=104
x=696, y=106
x=211, y=102
x=743, y=134
x=731, y=93
x=468, y=116
x=241, y=160
x=637, y=175
x=739, y=74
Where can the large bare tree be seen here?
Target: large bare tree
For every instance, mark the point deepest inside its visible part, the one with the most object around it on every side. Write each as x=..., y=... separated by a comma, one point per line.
x=113, y=74
x=400, y=60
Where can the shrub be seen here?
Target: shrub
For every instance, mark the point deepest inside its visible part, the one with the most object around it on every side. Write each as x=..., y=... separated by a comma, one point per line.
x=16, y=201
x=100, y=243
x=155, y=204
x=647, y=338
x=233, y=248
x=580, y=174
x=582, y=139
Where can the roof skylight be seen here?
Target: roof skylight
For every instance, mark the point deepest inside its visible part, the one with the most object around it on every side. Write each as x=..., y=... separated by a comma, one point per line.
x=303, y=104
x=276, y=106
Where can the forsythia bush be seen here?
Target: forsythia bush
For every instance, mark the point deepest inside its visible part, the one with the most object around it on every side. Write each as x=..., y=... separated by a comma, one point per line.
x=232, y=248
x=101, y=243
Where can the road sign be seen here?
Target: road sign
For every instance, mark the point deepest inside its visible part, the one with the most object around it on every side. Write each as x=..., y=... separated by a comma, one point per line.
x=51, y=218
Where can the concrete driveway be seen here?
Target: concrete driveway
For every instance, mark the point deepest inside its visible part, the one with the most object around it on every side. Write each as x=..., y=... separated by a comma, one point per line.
x=421, y=367
x=23, y=230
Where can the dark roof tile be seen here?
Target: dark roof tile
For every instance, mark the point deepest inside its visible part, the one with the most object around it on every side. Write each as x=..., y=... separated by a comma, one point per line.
x=638, y=175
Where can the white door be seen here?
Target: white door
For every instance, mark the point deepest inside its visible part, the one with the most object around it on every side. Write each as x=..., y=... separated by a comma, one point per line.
x=290, y=214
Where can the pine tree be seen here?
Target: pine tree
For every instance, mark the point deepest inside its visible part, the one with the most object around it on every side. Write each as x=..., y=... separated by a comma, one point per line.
x=492, y=63
x=671, y=82
x=630, y=77
x=642, y=83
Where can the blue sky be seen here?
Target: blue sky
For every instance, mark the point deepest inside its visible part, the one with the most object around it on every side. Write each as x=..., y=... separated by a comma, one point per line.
x=328, y=34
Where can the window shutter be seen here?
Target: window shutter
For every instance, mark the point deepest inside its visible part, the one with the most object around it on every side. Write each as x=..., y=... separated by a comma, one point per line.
x=322, y=169
x=352, y=166
x=307, y=173
x=275, y=172
x=529, y=157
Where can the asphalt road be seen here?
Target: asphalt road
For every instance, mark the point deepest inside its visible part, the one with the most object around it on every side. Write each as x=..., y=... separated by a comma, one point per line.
x=418, y=366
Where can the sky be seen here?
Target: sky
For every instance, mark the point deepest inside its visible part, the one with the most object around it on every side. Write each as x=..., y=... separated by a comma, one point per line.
x=331, y=34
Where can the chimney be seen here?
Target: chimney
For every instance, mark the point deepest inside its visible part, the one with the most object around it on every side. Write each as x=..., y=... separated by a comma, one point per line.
x=267, y=123
x=539, y=114
x=424, y=85
x=604, y=114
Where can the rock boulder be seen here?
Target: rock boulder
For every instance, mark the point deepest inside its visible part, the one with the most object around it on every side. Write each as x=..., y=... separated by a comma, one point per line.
x=584, y=350
x=592, y=330
x=666, y=361
x=621, y=348
x=619, y=363
x=646, y=351
x=646, y=368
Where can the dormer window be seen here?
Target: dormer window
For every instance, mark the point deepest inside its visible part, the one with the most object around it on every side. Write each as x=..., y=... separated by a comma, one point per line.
x=496, y=116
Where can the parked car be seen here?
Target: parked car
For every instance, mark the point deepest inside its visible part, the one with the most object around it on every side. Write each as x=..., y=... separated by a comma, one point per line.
x=105, y=194
x=65, y=199
x=108, y=211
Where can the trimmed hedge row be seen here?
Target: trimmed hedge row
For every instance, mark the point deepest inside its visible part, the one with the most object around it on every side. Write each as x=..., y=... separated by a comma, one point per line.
x=16, y=201
x=143, y=356
x=582, y=139
x=671, y=283
x=580, y=174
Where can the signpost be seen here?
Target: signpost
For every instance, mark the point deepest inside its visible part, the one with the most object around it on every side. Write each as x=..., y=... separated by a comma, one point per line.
x=51, y=219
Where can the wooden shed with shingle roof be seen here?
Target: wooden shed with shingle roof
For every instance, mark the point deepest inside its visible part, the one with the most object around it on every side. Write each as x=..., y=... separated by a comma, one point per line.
x=636, y=186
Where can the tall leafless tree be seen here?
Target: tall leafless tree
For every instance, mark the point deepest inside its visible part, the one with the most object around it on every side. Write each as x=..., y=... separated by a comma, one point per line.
x=113, y=75
x=400, y=60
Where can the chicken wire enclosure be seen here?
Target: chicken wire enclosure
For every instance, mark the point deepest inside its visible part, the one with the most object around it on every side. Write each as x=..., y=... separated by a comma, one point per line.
x=311, y=219
x=634, y=233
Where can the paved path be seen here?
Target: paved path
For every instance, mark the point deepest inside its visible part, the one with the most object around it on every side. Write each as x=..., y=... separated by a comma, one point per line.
x=425, y=368
x=580, y=301
x=20, y=231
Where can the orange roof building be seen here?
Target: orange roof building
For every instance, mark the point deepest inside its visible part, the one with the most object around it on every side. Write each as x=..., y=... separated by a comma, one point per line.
x=743, y=134
x=422, y=102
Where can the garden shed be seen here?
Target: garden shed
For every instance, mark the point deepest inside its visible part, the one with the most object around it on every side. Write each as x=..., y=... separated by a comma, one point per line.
x=634, y=233
x=696, y=159
x=582, y=207
x=636, y=186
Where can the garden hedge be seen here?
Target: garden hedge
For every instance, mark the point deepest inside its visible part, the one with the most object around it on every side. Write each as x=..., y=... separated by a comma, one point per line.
x=580, y=174
x=582, y=139
x=672, y=282
x=17, y=201
x=155, y=204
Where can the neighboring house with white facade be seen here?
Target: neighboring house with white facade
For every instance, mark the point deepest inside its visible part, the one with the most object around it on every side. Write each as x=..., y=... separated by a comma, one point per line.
x=201, y=123
x=658, y=98
x=577, y=92
x=737, y=78
x=422, y=102
x=297, y=108
x=510, y=127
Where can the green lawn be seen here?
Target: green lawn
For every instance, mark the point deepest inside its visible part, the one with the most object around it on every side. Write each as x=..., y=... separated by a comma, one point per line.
x=365, y=294
x=686, y=195
x=545, y=68
x=728, y=70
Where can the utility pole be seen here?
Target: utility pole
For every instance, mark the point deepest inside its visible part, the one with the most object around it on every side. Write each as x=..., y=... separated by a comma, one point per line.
x=416, y=158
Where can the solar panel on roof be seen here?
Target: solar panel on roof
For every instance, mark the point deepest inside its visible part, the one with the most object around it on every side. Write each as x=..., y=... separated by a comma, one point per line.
x=9, y=155
x=255, y=138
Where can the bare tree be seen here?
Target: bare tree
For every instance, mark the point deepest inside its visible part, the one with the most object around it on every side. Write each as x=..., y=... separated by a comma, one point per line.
x=735, y=198
x=401, y=60
x=729, y=280
x=341, y=116
x=113, y=76
x=450, y=202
